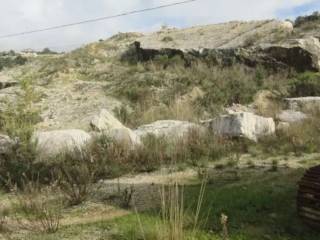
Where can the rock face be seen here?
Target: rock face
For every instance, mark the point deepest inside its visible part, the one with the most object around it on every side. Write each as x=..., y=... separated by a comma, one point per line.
x=291, y=116
x=301, y=54
x=243, y=124
x=52, y=143
x=170, y=129
x=228, y=35
x=303, y=103
x=5, y=143
x=107, y=124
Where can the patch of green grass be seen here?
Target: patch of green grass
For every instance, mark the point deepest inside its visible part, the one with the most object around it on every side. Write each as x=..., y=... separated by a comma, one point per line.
x=259, y=206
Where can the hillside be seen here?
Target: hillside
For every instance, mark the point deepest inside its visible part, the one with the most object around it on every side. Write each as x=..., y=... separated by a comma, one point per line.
x=64, y=80
x=89, y=138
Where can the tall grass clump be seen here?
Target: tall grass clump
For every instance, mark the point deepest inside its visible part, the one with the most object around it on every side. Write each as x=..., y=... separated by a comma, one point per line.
x=298, y=138
x=176, y=220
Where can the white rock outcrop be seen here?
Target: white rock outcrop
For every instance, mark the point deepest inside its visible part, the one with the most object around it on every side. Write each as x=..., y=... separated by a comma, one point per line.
x=303, y=103
x=107, y=124
x=52, y=143
x=242, y=124
x=170, y=129
x=5, y=143
x=291, y=116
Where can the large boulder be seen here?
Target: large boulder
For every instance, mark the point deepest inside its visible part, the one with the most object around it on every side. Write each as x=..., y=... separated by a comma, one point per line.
x=5, y=143
x=170, y=129
x=105, y=123
x=124, y=136
x=291, y=116
x=243, y=124
x=303, y=104
x=52, y=143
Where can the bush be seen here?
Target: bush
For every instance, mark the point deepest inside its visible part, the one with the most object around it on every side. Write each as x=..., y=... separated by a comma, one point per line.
x=9, y=61
x=305, y=84
x=75, y=173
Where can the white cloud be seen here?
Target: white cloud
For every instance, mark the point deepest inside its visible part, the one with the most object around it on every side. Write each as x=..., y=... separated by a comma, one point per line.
x=24, y=15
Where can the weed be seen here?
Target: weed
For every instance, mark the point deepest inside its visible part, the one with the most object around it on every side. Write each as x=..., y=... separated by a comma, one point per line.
x=224, y=224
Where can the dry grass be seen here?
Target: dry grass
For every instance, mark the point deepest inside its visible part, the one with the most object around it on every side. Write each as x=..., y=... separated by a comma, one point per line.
x=174, y=218
x=37, y=209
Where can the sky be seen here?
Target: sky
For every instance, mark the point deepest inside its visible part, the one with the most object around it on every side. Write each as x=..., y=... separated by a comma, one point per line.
x=25, y=15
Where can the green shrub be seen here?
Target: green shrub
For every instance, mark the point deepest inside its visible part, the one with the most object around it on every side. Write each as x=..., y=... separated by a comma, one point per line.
x=9, y=61
x=305, y=84
x=18, y=120
x=75, y=173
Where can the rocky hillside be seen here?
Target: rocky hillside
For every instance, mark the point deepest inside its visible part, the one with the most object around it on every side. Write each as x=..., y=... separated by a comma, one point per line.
x=191, y=74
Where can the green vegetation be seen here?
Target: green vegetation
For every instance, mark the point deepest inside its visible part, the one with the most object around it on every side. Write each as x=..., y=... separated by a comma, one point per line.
x=18, y=121
x=305, y=84
x=258, y=205
x=10, y=59
x=308, y=22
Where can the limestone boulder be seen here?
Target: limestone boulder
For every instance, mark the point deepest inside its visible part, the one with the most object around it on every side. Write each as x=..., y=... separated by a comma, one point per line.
x=124, y=136
x=105, y=121
x=107, y=124
x=49, y=144
x=171, y=129
x=243, y=124
x=291, y=116
x=303, y=104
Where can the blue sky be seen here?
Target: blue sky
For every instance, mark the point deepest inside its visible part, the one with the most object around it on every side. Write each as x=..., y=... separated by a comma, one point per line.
x=303, y=9
x=24, y=15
